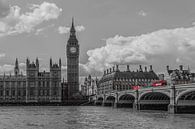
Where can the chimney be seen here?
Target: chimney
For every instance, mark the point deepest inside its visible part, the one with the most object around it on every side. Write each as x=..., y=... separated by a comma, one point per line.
x=146, y=69
x=104, y=72
x=140, y=68
x=128, y=70
x=181, y=67
x=107, y=71
x=167, y=68
x=151, y=70
x=113, y=69
x=117, y=69
x=110, y=70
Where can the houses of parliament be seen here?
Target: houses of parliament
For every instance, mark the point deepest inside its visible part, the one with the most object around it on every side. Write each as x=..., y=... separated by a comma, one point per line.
x=41, y=86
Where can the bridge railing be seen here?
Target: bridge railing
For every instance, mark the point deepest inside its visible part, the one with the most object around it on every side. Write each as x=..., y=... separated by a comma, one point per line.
x=183, y=85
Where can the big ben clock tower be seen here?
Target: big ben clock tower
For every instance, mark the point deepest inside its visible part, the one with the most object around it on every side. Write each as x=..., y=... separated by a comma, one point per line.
x=72, y=52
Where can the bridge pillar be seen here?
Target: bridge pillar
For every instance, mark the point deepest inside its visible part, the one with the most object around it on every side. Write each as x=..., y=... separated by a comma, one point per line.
x=95, y=103
x=116, y=101
x=103, y=102
x=172, y=106
x=136, y=105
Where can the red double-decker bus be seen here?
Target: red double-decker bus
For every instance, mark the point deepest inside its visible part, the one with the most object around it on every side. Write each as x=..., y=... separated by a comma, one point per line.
x=135, y=87
x=159, y=83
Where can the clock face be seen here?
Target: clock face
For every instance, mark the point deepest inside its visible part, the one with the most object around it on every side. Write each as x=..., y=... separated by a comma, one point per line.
x=73, y=49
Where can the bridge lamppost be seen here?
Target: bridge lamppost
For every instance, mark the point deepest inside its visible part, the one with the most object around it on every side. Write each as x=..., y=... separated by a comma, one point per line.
x=172, y=105
x=136, y=105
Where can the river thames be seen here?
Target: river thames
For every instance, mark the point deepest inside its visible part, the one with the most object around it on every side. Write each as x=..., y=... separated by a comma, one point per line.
x=89, y=117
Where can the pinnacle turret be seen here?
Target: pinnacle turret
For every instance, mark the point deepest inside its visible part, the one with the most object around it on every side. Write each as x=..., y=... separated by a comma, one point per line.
x=16, y=69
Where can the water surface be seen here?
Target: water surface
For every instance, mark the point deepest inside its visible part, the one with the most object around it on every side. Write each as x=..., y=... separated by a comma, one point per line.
x=69, y=117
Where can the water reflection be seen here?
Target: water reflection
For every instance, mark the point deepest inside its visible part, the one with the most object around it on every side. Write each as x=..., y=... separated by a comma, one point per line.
x=90, y=118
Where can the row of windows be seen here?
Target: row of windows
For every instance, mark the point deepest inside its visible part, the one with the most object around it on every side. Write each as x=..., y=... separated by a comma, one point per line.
x=44, y=92
x=126, y=79
x=13, y=93
x=13, y=83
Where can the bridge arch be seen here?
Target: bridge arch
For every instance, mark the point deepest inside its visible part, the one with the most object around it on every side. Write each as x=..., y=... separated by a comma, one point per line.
x=100, y=98
x=109, y=100
x=154, y=94
x=186, y=101
x=126, y=94
x=185, y=95
x=154, y=101
x=126, y=97
x=126, y=100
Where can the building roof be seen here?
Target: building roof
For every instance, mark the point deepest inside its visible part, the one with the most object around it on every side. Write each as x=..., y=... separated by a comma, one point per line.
x=130, y=75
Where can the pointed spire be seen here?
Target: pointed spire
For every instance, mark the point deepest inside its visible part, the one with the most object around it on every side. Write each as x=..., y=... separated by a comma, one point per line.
x=27, y=61
x=50, y=62
x=16, y=63
x=60, y=63
x=37, y=61
x=16, y=69
x=72, y=30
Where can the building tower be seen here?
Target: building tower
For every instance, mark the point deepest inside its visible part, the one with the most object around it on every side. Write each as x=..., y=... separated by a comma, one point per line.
x=32, y=71
x=72, y=52
x=16, y=68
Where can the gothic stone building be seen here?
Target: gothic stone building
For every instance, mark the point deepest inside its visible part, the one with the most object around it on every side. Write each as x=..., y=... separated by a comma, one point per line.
x=34, y=87
x=116, y=80
x=89, y=87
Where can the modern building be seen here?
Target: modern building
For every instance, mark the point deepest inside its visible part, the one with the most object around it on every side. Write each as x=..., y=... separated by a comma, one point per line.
x=34, y=87
x=116, y=80
x=89, y=87
x=180, y=76
x=72, y=52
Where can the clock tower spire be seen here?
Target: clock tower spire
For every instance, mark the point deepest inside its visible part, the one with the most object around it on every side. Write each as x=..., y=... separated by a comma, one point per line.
x=72, y=30
x=72, y=53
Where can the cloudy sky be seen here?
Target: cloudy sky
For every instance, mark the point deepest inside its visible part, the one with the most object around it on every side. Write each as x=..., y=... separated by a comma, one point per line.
x=157, y=32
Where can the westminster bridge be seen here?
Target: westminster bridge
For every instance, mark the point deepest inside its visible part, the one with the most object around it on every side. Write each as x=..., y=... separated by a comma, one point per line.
x=174, y=98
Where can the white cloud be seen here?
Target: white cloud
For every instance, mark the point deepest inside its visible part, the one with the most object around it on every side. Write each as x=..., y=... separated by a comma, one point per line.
x=6, y=68
x=80, y=28
x=22, y=64
x=38, y=31
x=142, y=13
x=160, y=48
x=16, y=22
x=65, y=29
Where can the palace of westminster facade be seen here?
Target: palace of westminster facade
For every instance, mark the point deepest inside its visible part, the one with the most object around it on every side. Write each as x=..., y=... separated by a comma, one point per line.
x=43, y=87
